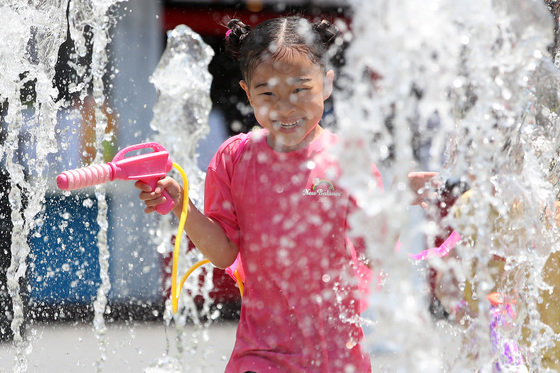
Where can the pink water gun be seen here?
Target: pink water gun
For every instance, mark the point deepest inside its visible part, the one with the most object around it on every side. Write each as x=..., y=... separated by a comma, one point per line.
x=148, y=168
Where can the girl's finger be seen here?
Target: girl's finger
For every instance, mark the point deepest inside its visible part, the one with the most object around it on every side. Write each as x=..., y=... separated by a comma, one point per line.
x=142, y=186
x=147, y=196
x=169, y=184
x=155, y=201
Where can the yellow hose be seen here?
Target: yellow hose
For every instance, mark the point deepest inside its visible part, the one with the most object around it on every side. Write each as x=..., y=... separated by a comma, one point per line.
x=239, y=282
x=191, y=270
x=176, y=291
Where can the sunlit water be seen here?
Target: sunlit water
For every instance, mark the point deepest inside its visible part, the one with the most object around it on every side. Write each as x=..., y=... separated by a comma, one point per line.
x=470, y=81
x=180, y=120
x=31, y=35
x=464, y=79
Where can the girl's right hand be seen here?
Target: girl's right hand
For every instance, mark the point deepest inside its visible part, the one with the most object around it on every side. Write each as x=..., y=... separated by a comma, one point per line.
x=153, y=198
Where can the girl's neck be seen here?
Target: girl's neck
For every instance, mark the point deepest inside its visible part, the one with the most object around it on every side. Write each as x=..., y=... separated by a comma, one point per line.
x=308, y=139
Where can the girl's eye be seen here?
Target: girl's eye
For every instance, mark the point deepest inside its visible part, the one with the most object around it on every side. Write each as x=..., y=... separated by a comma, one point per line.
x=266, y=94
x=298, y=90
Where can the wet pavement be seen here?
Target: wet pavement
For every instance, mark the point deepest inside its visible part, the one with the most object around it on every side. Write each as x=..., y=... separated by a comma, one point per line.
x=130, y=347
x=137, y=347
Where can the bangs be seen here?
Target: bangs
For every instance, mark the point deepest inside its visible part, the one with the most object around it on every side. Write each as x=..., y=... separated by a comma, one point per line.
x=289, y=53
x=281, y=53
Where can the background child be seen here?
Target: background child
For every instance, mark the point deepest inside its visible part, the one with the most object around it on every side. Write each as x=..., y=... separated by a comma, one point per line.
x=462, y=303
x=272, y=197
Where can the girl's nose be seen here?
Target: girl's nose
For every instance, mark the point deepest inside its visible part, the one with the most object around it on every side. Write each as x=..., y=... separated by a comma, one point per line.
x=284, y=106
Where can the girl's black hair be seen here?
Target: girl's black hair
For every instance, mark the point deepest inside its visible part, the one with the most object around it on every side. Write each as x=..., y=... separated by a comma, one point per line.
x=271, y=38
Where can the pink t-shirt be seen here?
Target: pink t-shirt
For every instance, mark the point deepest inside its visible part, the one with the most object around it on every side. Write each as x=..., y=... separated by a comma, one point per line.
x=288, y=217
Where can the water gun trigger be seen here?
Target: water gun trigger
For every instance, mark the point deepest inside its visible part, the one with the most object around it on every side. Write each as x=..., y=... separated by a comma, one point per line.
x=165, y=207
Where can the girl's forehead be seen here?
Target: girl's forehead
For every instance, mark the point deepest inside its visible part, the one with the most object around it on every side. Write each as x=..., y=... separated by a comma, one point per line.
x=287, y=66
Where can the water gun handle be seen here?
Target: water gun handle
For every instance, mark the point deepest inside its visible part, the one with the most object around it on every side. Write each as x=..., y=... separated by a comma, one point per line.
x=166, y=206
x=85, y=177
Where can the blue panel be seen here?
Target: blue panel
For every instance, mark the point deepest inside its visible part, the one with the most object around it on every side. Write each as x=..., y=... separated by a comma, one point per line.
x=63, y=265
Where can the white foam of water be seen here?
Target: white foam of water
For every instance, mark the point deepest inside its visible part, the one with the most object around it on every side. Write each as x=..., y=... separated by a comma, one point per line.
x=474, y=64
x=180, y=120
x=31, y=35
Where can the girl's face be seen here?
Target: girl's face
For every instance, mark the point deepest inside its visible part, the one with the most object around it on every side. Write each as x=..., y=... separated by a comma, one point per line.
x=287, y=96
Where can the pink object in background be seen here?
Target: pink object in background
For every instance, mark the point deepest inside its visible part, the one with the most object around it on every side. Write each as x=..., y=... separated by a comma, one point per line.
x=148, y=168
x=236, y=266
x=440, y=251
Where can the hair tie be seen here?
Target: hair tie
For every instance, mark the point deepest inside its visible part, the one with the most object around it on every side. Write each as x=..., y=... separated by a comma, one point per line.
x=227, y=33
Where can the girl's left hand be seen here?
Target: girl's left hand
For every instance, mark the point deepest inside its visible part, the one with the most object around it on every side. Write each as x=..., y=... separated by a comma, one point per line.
x=418, y=181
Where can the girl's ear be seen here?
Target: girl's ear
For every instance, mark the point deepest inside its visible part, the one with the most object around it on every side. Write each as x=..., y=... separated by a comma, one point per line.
x=245, y=87
x=328, y=84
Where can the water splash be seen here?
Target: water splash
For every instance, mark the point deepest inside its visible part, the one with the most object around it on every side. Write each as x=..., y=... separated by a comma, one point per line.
x=183, y=104
x=466, y=72
x=31, y=33
x=33, y=45
x=95, y=14
x=180, y=120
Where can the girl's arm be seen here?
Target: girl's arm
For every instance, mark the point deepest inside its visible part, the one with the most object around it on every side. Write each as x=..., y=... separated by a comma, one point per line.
x=206, y=234
x=418, y=181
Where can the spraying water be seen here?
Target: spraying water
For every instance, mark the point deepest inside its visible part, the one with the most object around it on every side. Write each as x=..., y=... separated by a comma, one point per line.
x=95, y=15
x=181, y=120
x=31, y=36
x=472, y=72
x=92, y=18
x=88, y=25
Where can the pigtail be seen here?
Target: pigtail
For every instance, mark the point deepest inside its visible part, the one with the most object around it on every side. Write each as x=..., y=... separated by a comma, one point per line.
x=332, y=40
x=237, y=32
x=327, y=32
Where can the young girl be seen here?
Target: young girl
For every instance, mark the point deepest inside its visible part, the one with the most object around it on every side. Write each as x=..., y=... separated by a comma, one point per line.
x=272, y=197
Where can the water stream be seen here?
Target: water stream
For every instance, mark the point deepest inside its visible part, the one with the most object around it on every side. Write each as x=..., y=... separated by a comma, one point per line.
x=31, y=35
x=97, y=17
x=180, y=120
x=472, y=96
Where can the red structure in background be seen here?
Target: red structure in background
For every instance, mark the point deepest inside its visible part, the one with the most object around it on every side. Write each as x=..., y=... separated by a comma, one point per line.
x=209, y=18
x=210, y=23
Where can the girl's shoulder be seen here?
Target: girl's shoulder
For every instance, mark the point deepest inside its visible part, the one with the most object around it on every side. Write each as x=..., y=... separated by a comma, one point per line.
x=231, y=149
x=232, y=144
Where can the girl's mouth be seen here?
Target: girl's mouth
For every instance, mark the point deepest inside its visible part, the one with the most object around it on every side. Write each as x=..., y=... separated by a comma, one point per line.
x=288, y=125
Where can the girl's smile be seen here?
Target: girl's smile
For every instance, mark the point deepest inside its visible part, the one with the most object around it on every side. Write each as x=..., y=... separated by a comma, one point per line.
x=288, y=126
x=287, y=94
